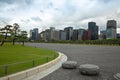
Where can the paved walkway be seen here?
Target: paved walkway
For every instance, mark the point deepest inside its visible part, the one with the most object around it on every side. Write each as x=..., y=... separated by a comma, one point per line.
x=106, y=57
x=44, y=73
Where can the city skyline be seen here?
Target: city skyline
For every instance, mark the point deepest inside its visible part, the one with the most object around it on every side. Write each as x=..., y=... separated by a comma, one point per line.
x=42, y=14
x=69, y=33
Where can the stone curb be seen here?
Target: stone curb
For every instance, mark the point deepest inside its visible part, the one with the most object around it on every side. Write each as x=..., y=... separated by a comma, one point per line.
x=30, y=72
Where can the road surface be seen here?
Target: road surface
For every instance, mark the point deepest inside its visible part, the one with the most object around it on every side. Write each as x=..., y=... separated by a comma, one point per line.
x=106, y=57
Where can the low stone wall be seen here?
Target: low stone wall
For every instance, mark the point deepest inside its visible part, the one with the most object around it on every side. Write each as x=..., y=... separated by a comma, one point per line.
x=24, y=74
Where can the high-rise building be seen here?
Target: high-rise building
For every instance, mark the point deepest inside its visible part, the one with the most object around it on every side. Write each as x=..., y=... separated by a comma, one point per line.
x=93, y=28
x=56, y=35
x=75, y=34
x=43, y=35
x=80, y=33
x=50, y=34
x=96, y=32
x=47, y=33
x=52, y=29
x=32, y=35
x=69, y=33
x=111, y=24
x=118, y=35
x=111, y=29
x=86, y=35
x=62, y=35
x=102, y=34
x=36, y=33
x=111, y=33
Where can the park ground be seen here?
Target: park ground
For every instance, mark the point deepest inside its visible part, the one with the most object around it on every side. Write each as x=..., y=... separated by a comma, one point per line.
x=15, y=58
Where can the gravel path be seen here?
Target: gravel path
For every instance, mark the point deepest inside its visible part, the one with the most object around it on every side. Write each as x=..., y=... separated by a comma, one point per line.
x=106, y=57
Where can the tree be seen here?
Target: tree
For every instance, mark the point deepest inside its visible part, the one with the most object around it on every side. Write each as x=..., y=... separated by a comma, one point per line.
x=23, y=37
x=15, y=32
x=1, y=35
x=5, y=32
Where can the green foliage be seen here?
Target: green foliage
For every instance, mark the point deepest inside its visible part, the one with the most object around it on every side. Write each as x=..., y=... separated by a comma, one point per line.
x=22, y=37
x=12, y=33
x=5, y=32
x=93, y=42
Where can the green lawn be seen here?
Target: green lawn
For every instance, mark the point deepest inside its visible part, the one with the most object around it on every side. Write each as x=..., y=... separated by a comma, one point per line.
x=17, y=58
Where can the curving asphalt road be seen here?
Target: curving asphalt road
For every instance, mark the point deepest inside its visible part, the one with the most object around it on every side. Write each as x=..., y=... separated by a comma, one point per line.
x=107, y=57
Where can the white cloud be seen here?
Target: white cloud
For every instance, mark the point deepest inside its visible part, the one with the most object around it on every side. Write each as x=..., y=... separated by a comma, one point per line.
x=58, y=13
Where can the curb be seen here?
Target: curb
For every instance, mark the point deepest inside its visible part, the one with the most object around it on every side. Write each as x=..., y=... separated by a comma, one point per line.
x=38, y=72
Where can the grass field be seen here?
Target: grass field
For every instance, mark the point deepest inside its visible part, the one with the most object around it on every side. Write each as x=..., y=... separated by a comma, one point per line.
x=16, y=58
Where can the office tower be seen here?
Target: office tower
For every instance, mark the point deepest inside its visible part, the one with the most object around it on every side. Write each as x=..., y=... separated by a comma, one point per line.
x=111, y=29
x=75, y=34
x=52, y=29
x=32, y=35
x=110, y=33
x=103, y=34
x=56, y=34
x=111, y=24
x=43, y=35
x=118, y=35
x=69, y=33
x=62, y=35
x=86, y=35
x=96, y=32
x=47, y=34
x=93, y=30
x=80, y=33
x=36, y=33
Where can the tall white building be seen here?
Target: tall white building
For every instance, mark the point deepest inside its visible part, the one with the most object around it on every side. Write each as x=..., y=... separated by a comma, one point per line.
x=52, y=29
x=56, y=35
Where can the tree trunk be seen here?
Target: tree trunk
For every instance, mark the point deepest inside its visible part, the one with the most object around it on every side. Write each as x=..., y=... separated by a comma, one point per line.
x=2, y=43
x=3, y=40
x=23, y=43
x=14, y=38
x=14, y=41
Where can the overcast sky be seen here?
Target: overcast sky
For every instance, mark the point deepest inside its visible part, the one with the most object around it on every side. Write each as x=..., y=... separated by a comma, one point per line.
x=43, y=14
